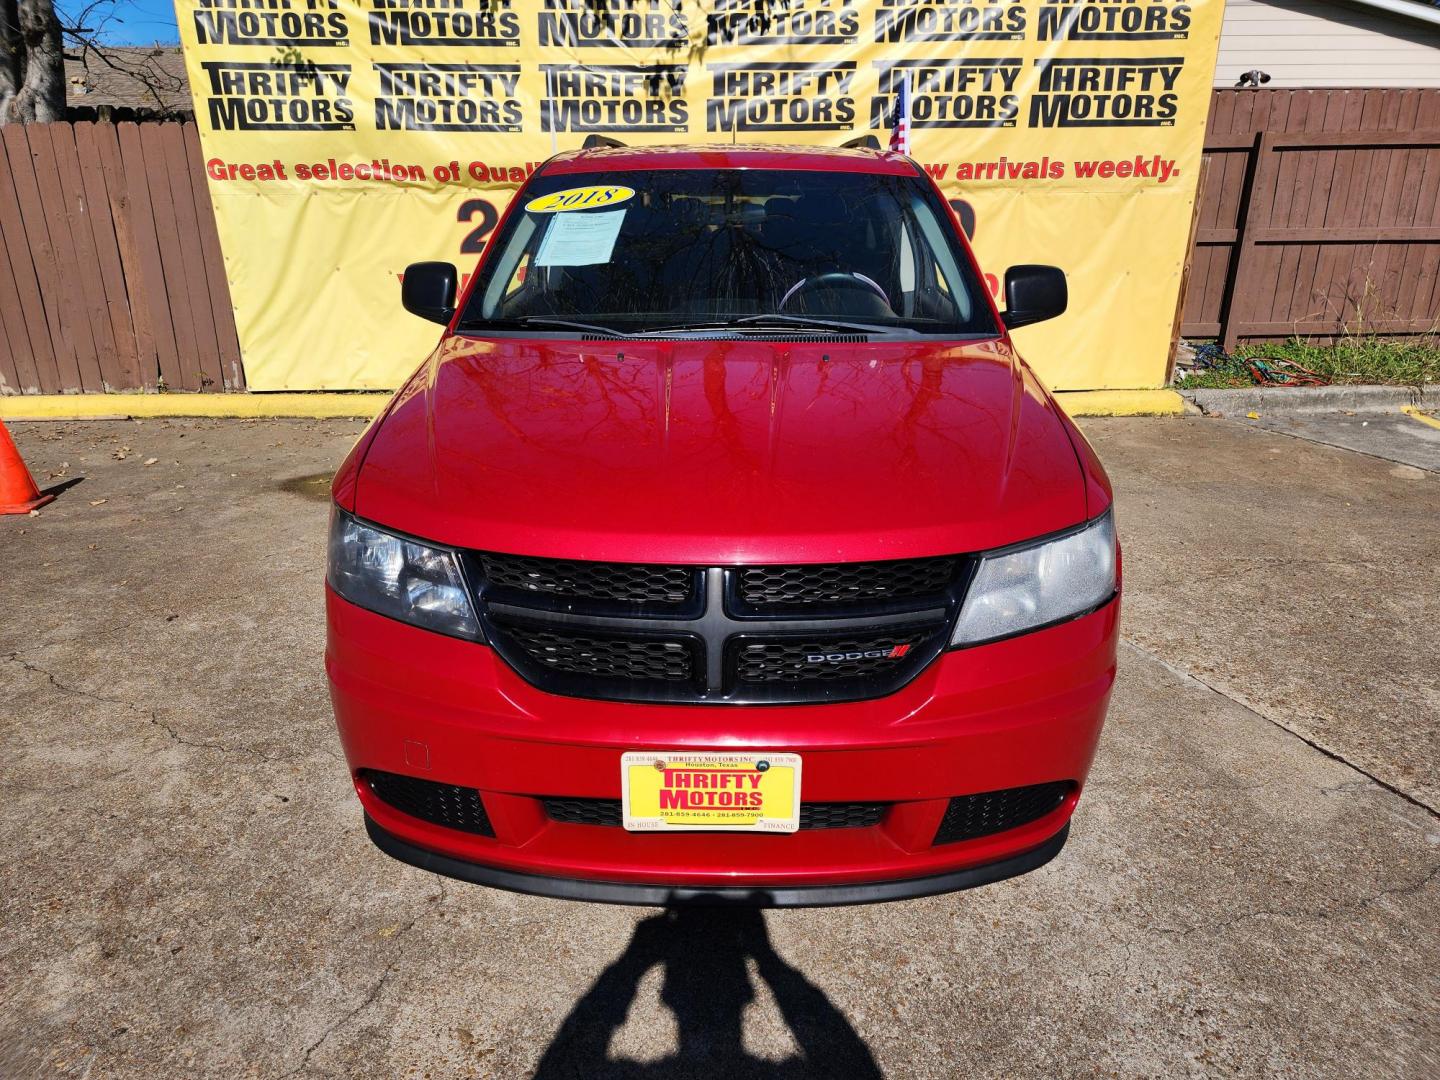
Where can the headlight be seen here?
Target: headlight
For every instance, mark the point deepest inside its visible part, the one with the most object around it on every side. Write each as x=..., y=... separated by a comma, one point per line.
x=399, y=577
x=1026, y=588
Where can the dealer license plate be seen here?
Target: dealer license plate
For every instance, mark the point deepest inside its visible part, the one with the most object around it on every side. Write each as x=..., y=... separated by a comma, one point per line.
x=675, y=789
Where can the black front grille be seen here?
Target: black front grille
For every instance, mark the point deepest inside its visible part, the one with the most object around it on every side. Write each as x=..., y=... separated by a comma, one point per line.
x=628, y=582
x=792, y=660
x=440, y=804
x=717, y=635
x=971, y=816
x=843, y=583
x=633, y=659
x=838, y=815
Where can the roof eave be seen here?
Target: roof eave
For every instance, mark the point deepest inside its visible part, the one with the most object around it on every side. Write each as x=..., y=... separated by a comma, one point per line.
x=1404, y=9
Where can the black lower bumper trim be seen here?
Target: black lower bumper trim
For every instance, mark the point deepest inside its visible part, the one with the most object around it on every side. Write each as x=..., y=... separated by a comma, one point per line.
x=618, y=892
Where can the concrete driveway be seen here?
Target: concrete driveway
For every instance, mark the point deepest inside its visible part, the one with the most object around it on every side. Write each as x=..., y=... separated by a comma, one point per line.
x=1250, y=889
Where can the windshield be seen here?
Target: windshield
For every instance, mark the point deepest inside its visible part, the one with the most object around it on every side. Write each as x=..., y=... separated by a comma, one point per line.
x=751, y=250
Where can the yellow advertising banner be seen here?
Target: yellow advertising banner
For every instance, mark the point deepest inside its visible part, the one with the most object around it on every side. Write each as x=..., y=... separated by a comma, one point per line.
x=345, y=139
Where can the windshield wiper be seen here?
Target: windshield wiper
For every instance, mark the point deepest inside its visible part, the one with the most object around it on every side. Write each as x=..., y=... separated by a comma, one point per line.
x=775, y=320
x=546, y=320
x=779, y=318
x=771, y=320
x=682, y=328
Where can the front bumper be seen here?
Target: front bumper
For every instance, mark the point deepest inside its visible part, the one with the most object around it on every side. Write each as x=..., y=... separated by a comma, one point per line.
x=1023, y=711
x=615, y=892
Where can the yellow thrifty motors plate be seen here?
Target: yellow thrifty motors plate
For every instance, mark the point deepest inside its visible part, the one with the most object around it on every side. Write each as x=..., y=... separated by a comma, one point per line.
x=666, y=790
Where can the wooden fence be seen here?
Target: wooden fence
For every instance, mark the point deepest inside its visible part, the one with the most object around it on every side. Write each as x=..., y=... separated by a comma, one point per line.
x=111, y=276
x=1319, y=215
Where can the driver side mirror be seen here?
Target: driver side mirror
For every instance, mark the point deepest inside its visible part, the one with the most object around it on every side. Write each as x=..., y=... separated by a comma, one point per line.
x=428, y=290
x=1033, y=294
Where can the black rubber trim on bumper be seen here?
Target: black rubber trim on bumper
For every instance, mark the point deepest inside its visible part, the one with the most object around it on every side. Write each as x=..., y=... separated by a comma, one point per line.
x=616, y=892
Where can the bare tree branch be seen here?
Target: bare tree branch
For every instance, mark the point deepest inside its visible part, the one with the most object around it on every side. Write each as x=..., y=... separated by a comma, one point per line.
x=144, y=70
x=84, y=30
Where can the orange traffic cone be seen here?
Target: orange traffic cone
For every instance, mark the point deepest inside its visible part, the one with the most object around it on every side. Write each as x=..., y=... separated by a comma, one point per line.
x=18, y=493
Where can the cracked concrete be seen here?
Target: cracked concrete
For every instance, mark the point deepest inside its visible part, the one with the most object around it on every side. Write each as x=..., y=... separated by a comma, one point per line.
x=1281, y=722
x=1252, y=887
x=151, y=715
x=373, y=993
x=1334, y=637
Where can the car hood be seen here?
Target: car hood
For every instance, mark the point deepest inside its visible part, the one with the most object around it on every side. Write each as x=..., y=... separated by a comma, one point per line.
x=722, y=451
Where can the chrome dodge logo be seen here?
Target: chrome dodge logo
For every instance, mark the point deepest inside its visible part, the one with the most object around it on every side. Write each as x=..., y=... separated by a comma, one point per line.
x=893, y=653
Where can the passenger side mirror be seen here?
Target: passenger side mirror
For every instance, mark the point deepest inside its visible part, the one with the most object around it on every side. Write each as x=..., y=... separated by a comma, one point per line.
x=1033, y=294
x=428, y=290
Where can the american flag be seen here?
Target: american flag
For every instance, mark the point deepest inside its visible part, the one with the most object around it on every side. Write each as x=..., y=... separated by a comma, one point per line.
x=900, y=119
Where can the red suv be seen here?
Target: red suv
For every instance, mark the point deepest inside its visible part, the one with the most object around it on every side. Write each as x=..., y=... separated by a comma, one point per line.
x=724, y=549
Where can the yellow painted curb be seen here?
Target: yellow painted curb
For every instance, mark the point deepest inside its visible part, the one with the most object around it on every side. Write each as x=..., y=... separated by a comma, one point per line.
x=321, y=405
x=1121, y=402
x=93, y=406
x=1416, y=414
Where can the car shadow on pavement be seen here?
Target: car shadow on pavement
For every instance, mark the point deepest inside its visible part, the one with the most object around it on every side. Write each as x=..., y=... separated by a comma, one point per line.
x=706, y=983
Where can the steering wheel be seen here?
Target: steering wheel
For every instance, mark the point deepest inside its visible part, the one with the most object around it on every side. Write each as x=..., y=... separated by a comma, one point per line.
x=833, y=279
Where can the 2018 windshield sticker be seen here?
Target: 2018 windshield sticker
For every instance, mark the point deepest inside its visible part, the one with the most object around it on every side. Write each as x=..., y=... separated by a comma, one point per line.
x=581, y=198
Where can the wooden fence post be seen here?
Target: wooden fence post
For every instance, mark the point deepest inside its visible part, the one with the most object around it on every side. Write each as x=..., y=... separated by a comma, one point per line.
x=1185, y=274
x=1259, y=198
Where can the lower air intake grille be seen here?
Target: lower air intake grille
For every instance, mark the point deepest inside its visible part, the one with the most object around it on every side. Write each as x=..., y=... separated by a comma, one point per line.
x=840, y=815
x=440, y=804
x=839, y=583
x=584, y=811
x=782, y=660
x=971, y=816
x=637, y=659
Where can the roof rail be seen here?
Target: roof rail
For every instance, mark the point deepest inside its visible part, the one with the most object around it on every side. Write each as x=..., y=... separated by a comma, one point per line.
x=599, y=142
x=862, y=142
